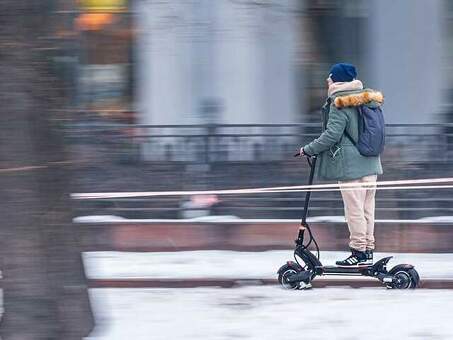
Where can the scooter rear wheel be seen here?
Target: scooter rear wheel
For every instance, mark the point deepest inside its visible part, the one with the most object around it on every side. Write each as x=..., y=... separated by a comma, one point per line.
x=405, y=279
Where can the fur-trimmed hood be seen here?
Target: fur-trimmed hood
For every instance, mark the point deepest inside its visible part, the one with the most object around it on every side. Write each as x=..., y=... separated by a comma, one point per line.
x=357, y=99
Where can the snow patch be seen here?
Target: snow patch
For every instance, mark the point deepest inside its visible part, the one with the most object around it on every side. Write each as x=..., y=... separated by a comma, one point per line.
x=269, y=313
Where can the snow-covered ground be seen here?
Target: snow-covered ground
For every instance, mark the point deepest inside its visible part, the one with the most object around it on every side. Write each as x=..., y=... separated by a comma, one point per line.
x=260, y=312
x=233, y=264
x=269, y=312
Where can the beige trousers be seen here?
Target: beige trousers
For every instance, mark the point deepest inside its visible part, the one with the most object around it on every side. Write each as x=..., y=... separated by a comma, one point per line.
x=359, y=213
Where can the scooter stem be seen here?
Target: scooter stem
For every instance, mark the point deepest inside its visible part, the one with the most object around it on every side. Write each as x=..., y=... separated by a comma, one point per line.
x=312, y=165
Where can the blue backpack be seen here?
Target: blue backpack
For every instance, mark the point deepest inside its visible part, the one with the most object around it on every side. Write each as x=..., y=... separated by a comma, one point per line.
x=371, y=131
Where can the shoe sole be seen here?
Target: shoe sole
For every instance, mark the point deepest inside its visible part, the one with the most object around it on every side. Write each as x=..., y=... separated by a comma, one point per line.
x=354, y=265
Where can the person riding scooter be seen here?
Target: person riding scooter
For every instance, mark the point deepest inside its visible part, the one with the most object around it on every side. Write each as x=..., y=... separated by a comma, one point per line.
x=339, y=158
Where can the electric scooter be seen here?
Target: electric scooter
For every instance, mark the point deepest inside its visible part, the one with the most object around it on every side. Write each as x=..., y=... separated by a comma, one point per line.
x=300, y=273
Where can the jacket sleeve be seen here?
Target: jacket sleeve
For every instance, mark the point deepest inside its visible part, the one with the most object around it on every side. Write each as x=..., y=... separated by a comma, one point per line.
x=332, y=135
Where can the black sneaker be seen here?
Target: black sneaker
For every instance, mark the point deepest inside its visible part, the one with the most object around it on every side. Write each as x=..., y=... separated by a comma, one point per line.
x=357, y=258
x=369, y=256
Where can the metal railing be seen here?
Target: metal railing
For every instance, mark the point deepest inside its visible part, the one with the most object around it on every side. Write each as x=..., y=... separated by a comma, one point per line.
x=142, y=157
x=252, y=142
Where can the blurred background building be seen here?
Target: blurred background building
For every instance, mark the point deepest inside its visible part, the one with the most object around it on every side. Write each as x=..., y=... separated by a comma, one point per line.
x=209, y=94
x=252, y=61
x=245, y=61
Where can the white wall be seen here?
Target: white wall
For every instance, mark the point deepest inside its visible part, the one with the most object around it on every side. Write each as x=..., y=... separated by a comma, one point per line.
x=239, y=54
x=405, y=58
x=164, y=66
x=234, y=52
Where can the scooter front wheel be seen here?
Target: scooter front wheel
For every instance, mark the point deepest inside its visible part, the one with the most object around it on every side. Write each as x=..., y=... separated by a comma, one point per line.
x=283, y=275
x=293, y=276
x=283, y=279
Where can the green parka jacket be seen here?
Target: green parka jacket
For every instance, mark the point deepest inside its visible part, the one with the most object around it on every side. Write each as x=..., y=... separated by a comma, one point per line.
x=338, y=158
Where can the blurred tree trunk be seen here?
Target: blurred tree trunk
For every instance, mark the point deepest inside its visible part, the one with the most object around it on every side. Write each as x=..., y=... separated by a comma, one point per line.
x=44, y=287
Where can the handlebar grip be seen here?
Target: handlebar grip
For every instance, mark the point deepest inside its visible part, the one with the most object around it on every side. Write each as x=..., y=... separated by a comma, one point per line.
x=305, y=155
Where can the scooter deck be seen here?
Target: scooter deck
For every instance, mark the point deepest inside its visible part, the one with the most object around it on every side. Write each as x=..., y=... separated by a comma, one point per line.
x=332, y=270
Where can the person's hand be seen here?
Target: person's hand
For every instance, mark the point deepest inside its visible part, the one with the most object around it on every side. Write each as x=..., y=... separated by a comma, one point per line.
x=302, y=153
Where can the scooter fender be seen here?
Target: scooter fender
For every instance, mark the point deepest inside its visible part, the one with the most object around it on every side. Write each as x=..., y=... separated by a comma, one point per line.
x=380, y=265
x=290, y=264
x=399, y=267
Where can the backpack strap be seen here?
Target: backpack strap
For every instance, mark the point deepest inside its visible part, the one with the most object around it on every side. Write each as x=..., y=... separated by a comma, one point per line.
x=359, y=112
x=350, y=138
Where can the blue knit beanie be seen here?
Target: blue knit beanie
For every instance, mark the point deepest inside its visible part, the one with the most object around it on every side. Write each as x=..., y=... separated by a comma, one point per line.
x=343, y=72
